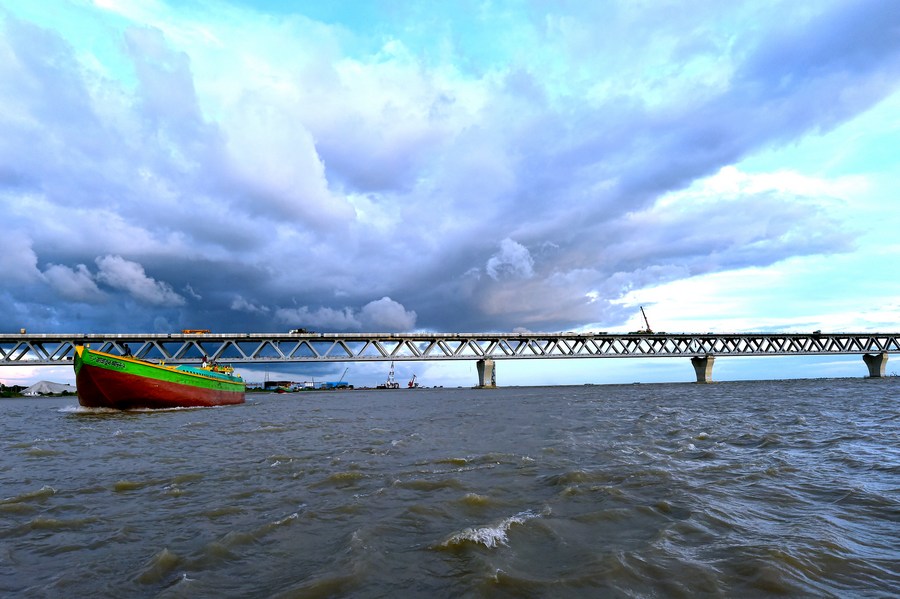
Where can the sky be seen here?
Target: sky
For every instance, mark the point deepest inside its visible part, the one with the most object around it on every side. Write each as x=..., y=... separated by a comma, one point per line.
x=461, y=166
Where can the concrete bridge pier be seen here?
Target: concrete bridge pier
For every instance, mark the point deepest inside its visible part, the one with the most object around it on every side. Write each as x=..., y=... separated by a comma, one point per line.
x=487, y=376
x=876, y=364
x=703, y=366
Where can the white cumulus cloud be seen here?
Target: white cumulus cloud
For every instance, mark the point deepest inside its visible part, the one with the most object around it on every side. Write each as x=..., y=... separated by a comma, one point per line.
x=76, y=284
x=243, y=305
x=387, y=315
x=319, y=319
x=512, y=261
x=383, y=315
x=130, y=277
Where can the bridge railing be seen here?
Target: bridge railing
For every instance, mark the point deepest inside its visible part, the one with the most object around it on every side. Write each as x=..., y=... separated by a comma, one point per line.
x=248, y=348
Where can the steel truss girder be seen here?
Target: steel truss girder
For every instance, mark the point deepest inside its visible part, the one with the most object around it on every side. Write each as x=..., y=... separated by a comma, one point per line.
x=249, y=348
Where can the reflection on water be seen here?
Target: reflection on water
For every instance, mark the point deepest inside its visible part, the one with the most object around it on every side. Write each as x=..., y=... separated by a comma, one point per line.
x=730, y=489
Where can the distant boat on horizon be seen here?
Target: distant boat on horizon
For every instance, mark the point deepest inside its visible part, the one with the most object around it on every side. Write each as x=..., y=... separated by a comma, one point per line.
x=105, y=380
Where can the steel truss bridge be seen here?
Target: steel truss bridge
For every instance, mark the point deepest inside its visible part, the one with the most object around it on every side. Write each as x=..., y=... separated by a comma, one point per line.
x=256, y=348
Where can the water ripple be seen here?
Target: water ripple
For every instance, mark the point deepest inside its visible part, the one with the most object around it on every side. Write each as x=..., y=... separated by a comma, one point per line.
x=734, y=489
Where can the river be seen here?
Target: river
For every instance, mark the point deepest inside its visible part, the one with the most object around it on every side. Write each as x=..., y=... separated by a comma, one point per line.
x=750, y=489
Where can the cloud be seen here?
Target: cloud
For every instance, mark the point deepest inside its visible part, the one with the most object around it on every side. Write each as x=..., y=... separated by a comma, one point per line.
x=167, y=93
x=732, y=220
x=387, y=315
x=190, y=291
x=383, y=315
x=319, y=319
x=242, y=305
x=279, y=168
x=74, y=284
x=130, y=277
x=513, y=260
x=18, y=261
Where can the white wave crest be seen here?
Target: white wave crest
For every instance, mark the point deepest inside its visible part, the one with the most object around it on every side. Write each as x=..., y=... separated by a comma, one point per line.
x=490, y=536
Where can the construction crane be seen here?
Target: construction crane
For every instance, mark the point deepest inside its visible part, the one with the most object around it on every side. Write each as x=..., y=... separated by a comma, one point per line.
x=412, y=384
x=646, y=331
x=390, y=383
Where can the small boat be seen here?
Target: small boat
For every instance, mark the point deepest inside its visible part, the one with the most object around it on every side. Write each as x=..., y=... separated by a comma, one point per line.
x=123, y=382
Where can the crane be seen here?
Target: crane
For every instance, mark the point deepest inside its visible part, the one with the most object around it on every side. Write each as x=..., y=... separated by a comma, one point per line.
x=645, y=331
x=646, y=322
x=390, y=383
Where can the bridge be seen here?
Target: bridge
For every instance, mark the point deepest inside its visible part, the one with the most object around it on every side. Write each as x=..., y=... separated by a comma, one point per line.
x=256, y=348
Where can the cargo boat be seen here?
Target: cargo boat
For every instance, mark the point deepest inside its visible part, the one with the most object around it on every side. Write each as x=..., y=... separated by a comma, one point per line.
x=122, y=382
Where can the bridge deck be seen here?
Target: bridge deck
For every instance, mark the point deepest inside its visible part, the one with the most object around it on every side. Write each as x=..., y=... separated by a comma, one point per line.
x=34, y=349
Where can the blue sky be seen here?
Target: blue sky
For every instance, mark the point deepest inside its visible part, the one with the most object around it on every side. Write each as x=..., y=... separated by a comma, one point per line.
x=452, y=166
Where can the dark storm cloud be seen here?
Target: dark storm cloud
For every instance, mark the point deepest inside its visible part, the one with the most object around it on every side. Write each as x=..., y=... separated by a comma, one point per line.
x=644, y=153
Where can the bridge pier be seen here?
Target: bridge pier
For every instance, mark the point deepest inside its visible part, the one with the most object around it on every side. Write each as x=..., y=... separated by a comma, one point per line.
x=703, y=366
x=876, y=364
x=487, y=376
